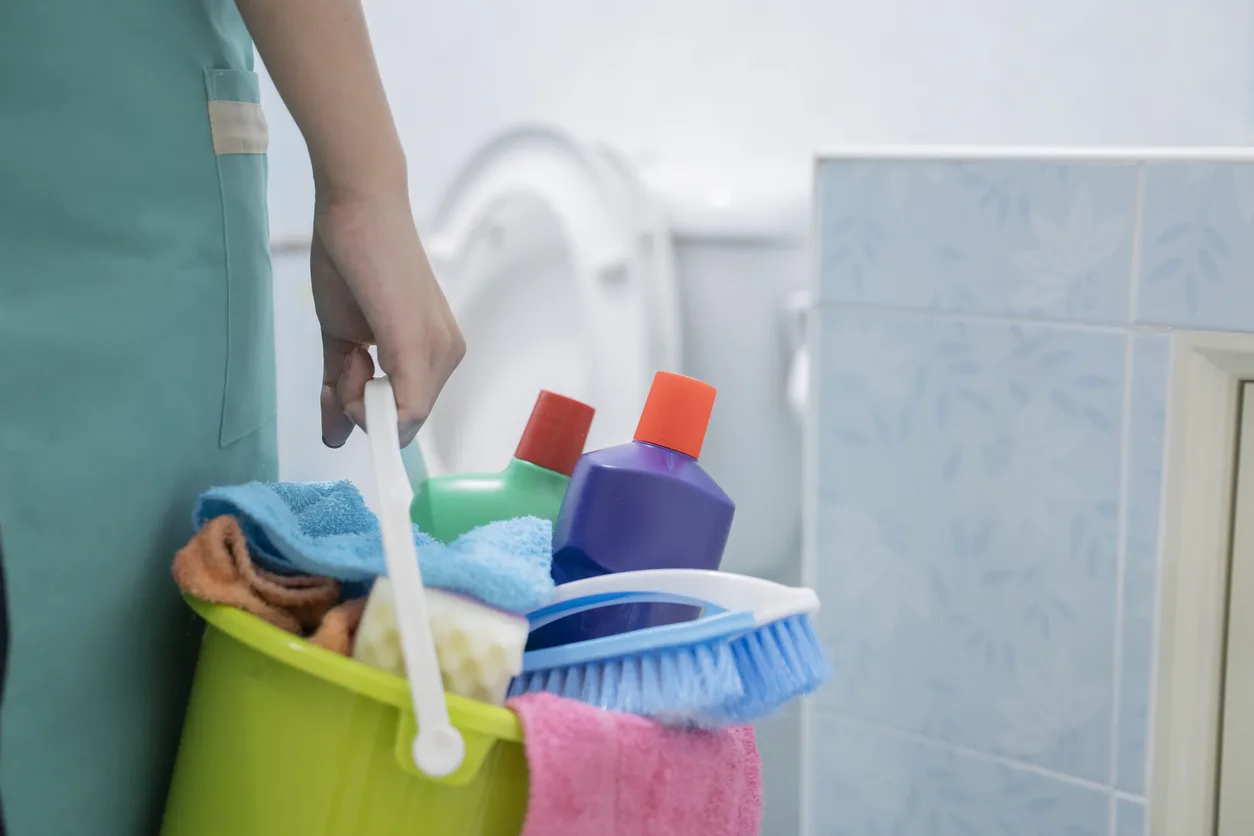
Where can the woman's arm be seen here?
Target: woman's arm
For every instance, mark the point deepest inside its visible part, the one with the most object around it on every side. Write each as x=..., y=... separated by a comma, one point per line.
x=371, y=280
x=319, y=55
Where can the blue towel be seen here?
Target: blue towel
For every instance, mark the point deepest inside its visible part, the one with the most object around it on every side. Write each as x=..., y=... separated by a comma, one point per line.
x=506, y=564
x=325, y=528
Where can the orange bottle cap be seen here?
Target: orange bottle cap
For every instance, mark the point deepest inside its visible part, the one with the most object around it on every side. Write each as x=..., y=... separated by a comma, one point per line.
x=676, y=413
x=555, y=432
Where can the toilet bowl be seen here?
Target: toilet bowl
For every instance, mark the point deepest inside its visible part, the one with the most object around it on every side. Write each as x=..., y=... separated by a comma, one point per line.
x=573, y=269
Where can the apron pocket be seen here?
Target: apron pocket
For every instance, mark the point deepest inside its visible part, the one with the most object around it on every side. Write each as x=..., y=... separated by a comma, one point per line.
x=240, y=140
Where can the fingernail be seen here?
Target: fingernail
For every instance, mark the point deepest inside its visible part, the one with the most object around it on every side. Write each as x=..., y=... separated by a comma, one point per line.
x=328, y=444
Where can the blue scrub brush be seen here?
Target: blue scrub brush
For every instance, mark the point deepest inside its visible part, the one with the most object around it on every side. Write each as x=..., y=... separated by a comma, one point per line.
x=752, y=650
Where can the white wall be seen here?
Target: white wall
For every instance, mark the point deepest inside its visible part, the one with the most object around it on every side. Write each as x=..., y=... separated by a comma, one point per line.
x=727, y=79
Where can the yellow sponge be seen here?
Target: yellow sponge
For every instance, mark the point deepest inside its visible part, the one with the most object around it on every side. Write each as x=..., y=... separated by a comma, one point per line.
x=480, y=648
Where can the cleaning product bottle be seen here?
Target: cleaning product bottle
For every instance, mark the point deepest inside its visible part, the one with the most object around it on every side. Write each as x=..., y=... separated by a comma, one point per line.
x=646, y=504
x=532, y=484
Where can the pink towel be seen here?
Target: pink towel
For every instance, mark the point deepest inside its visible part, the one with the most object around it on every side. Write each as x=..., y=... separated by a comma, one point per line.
x=609, y=774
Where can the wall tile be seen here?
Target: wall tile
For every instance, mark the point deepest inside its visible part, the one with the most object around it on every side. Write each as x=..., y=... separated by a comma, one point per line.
x=868, y=783
x=1145, y=472
x=1198, y=246
x=1130, y=818
x=968, y=486
x=1052, y=239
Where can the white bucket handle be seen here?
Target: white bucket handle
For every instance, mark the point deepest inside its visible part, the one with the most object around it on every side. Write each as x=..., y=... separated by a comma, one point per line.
x=438, y=748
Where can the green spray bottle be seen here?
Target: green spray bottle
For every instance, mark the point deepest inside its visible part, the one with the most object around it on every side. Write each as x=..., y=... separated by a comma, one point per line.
x=532, y=484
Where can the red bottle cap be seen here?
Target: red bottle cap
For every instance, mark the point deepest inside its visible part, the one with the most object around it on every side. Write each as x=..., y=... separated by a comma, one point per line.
x=676, y=413
x=555, y=432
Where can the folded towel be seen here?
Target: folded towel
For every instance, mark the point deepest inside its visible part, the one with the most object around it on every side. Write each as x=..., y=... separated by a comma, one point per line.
x=338, y=629
x=325, y=528
x=506, y=564
x=312, y=528
x=216, y=567
x=596, y=771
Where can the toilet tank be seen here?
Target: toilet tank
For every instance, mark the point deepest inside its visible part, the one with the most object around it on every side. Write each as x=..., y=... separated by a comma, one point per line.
x=740, y=243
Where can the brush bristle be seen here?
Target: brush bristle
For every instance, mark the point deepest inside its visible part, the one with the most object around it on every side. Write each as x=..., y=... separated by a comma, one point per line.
x=708, y=685
x=777, y=663
x=679, y=680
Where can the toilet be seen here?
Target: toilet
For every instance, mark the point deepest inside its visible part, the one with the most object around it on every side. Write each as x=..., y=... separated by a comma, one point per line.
x=570, y=268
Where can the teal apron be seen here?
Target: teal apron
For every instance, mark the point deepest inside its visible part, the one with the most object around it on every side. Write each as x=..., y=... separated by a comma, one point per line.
x=136, y=370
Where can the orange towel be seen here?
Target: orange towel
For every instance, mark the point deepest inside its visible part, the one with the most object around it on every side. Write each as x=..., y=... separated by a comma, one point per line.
x=338, y=629
x=215, y=566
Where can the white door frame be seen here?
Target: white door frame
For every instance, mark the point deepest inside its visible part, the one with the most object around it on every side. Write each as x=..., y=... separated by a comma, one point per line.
x=1236, y=765
x=1202, y=414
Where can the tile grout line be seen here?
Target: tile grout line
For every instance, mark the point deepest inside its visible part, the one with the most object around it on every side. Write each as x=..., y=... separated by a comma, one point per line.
x=1005, y=319
x=1121, y=557
x=974, y=754
x=1116, y=798
x=1116, y=684
x=1125, y=481
x=1138, y=239
x=1151, y=718
x=1134, y=304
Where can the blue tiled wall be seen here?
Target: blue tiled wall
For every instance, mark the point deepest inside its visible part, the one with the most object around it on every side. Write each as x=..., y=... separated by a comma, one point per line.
x=993, y=356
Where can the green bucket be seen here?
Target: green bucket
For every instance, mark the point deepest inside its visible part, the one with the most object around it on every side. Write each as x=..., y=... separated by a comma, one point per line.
x=283, y=738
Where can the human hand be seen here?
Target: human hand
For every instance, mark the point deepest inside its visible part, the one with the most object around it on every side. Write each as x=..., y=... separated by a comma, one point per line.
x=372, y=285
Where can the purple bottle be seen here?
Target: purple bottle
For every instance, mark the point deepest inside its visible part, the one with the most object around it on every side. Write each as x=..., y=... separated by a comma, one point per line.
x=646, y=504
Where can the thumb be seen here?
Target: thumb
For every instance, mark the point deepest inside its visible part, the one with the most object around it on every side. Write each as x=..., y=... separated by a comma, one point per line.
x=416, y=386
x=347, y=367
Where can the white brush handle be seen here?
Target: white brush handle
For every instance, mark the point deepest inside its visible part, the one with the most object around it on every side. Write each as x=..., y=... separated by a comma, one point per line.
x=767, y=600
x=439, y=748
